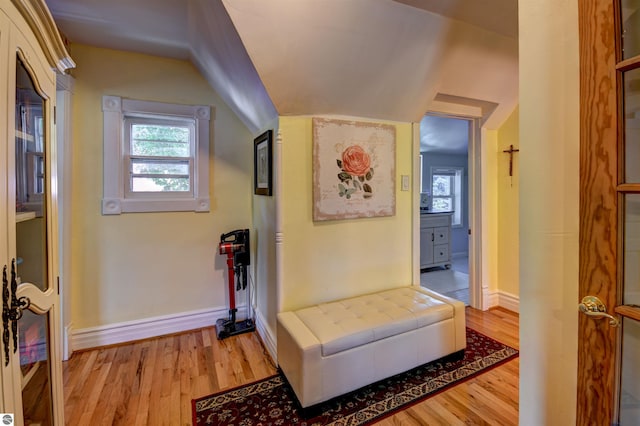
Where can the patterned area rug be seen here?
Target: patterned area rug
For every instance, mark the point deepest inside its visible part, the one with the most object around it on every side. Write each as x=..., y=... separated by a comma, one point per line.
x=271, y=401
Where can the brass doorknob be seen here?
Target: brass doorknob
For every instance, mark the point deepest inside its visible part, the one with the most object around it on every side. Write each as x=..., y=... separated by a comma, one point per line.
x=593, y=307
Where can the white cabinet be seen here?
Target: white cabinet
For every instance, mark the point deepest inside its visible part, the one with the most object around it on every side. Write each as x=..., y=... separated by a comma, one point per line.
x=435, y=236
x=30, y=364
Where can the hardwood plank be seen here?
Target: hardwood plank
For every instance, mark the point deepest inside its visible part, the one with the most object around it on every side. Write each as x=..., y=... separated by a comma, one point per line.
x=447, y=407
x=146, y=384
x=152, y=382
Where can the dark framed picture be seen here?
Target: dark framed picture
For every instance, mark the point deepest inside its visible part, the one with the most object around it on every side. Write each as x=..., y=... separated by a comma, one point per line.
x=263, y=163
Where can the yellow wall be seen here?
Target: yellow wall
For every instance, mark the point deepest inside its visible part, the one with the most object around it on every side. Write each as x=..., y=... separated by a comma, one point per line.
x=489, y=197
x=508, y=200
x=549, y=206
x=134, y=266
x=335, y=259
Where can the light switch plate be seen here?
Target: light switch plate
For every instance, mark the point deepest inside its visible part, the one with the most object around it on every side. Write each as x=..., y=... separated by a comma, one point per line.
x=405, y=182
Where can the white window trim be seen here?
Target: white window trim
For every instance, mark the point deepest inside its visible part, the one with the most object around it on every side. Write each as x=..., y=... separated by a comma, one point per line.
x=114, y=200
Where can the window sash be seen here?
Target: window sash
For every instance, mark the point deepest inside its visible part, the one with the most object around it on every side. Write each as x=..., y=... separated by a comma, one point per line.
x=451, y=178
x=130, y=159
x=455, y=192
x=451, y=202
x=130, y=192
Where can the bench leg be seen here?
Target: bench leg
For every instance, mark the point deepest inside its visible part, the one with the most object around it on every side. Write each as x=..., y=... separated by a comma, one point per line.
x=457, y=356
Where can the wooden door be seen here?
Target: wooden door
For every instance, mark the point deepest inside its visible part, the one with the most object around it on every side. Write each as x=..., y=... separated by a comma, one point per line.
x=609, y=213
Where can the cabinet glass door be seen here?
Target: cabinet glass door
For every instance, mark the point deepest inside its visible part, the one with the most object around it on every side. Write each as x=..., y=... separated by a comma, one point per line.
x=31, y=298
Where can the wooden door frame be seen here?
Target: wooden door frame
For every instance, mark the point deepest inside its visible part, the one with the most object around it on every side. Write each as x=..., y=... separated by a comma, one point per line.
x=599, y=239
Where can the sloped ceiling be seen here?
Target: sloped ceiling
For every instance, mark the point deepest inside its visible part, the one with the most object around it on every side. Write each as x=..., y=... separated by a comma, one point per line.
x=499, y=16
x=381, y=59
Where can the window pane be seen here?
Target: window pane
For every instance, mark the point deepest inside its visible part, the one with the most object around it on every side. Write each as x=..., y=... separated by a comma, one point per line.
x=159, y=184
x=631, y=292
x=440, y=204
x=632, y=125
x=630, y=10
x=160, y=141
x=630, y=375
x=158, y=167
x=441, y=185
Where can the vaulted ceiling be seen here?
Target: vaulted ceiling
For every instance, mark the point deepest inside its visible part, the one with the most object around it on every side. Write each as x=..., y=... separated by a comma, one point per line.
x=381, y=59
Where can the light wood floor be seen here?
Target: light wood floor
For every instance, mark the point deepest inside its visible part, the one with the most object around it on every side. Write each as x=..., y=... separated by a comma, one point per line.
x=152, y=382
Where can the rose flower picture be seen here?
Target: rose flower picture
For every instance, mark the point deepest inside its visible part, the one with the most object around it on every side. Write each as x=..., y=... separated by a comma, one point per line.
x=353, y=169
x=355, y=172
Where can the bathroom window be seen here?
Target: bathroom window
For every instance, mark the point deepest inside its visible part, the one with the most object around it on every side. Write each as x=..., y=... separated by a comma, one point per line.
x=446, y=192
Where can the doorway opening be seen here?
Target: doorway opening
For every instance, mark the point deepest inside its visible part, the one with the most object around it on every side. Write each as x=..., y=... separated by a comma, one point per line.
x=446, y=203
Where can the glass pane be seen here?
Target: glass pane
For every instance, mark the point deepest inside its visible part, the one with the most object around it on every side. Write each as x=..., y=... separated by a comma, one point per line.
x=31, y=190
x=34, y=364
x=631, y=293
x=158, y=167
x=632, y=125
x=630, y=28
x=630, y=374
x=160, y=141
x=441, y=185
x=159, y=184
x=442, y=204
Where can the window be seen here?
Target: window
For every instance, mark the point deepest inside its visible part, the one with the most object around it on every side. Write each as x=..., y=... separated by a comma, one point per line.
x=159, y=155
x=156, y=156
x=446, y=192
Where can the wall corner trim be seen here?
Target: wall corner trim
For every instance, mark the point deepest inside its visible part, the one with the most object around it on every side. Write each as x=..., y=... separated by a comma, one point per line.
x=267, y=336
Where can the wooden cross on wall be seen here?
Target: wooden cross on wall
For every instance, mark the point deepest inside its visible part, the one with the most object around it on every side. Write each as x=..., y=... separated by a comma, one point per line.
x=511, y=151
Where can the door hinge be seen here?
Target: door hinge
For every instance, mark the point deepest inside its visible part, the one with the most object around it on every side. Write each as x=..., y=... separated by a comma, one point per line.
x=54, y=114
x=58, y=283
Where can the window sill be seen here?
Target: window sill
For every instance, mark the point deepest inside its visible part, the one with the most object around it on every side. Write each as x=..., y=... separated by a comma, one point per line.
x=115, y=206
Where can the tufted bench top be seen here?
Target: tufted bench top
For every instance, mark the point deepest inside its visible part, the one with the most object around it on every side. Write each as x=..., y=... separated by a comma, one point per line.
x=349, y=323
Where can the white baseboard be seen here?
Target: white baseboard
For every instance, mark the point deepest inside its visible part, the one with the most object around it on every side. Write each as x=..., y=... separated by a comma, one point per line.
x=509, y=301
x=502, y=299
x=490, y=299
x=148, y=327
x=267, y=336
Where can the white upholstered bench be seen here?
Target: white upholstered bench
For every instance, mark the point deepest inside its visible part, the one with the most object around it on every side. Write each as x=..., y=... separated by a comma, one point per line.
x=333, y=348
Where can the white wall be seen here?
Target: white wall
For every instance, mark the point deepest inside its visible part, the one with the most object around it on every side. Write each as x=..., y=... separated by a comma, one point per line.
x=549, y=183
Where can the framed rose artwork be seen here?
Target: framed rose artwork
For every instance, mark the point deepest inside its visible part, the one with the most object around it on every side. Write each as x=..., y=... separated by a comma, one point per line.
x=353, y=169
